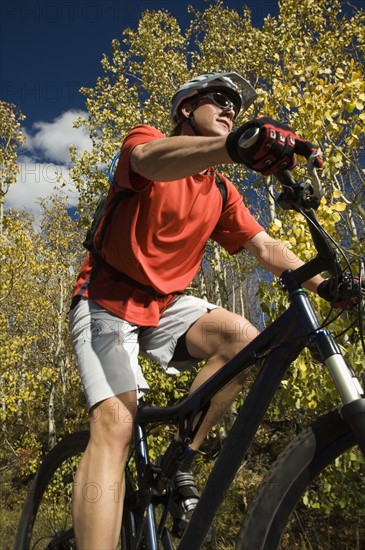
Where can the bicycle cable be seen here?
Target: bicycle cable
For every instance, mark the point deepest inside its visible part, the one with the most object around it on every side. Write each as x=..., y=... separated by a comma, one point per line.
x=333, y=315
x=360, y=299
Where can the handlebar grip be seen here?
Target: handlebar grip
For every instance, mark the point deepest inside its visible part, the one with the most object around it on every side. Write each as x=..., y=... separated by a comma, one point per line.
x=249, y=138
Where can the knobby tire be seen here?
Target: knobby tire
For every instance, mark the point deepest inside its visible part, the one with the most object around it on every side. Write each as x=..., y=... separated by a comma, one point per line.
x=289, y=477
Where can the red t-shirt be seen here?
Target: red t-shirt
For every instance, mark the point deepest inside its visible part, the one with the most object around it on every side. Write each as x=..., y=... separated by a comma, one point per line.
x=158, y=236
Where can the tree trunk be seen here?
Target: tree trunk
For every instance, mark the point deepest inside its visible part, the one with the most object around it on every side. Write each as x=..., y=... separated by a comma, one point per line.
x=52, y=434
x=203, y=293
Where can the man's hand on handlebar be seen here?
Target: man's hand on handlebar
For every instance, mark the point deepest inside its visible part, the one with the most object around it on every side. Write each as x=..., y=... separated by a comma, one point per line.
x=343, y=292
x=267, y=146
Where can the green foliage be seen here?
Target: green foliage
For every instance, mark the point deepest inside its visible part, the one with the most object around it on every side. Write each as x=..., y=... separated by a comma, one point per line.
x=11, y=137
x=38, y=377
x=331, y=495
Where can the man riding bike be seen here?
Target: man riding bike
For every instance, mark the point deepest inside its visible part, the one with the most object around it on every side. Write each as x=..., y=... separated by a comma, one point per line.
x=156, y=242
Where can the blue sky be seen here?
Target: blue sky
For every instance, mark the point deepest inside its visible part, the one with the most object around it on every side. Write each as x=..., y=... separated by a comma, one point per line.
x=48, y=50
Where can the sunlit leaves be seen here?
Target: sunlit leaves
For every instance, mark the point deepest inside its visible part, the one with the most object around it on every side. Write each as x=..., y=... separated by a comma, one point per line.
x=11, y=138
x=37, y=368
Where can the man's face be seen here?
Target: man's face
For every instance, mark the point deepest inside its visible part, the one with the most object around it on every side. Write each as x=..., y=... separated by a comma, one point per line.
x=214, y=115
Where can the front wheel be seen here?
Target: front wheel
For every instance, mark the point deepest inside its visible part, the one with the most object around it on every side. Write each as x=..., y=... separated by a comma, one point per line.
x=277, y=516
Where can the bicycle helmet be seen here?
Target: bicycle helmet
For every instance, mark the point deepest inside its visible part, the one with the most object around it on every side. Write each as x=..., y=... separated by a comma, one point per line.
x=237, y=88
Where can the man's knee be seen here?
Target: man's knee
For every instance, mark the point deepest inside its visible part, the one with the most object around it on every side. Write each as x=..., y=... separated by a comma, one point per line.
x=235, y=331
x=231, y=333
x=111, y=422
x=220, y=332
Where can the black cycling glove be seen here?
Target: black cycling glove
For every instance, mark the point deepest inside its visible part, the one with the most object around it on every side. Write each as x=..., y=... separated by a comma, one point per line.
x=273, y=150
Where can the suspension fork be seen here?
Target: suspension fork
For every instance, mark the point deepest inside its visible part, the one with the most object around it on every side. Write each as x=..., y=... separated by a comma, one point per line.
x=348, y=386
x=345, y=380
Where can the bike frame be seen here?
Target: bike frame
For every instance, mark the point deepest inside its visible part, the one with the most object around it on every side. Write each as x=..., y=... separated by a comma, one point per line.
x=279, y=344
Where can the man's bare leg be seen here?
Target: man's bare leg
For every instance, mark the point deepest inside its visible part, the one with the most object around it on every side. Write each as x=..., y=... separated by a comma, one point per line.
x=99, y=482
x=218, y=336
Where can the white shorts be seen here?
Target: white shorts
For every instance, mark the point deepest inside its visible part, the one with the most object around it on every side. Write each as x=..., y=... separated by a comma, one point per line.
x=107, y=347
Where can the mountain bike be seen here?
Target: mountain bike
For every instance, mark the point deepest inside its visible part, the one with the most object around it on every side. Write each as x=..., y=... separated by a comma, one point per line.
x=46, y=523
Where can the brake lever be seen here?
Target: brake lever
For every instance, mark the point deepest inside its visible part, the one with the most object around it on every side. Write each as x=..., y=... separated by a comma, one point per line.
x=312, y=173
x=300, y=195
x=296, y=195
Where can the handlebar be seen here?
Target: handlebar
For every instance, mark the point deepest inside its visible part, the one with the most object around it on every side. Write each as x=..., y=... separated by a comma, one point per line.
x=304, y=197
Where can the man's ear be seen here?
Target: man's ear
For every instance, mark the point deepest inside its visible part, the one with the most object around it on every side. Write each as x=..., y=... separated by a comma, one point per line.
x=187, y=109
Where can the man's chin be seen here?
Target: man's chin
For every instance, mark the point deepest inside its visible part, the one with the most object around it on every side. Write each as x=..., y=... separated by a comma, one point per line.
x=216, y=132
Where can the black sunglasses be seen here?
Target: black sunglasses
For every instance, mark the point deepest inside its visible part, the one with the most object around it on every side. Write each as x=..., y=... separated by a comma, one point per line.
x=221, y=101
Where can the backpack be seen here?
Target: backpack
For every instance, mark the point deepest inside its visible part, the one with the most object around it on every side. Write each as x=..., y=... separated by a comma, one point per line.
x=105, y=215
x=99, y=211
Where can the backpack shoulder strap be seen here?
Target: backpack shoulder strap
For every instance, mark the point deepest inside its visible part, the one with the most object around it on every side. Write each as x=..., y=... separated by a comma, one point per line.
x=222, y=189
x=103, y=214
x=109, y=211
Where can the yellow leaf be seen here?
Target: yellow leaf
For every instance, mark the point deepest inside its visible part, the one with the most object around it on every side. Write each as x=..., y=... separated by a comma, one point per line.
x=337, y=194
x=339, y=206
x=298, y=231
x=350, y=107
x=303, y=367
x=278, y=222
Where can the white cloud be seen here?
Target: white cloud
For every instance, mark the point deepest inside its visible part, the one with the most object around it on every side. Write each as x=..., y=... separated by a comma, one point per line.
x=38, y=180
x=47, y=157
x=51, y=140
